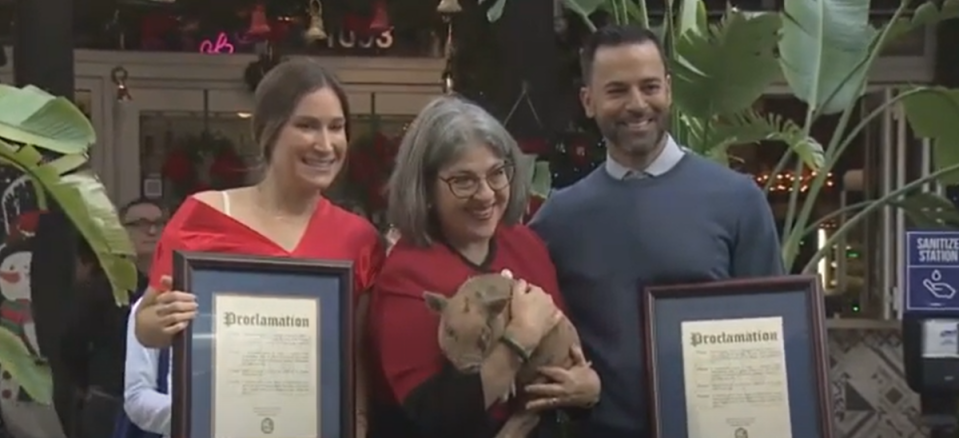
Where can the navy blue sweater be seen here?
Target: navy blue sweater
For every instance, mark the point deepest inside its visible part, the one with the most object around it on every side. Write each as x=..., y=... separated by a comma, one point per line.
x=611, y=238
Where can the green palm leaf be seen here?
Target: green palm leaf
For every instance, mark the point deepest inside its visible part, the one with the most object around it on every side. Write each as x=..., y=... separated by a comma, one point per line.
x=33, y=376
x=822, y=51
x=30, y=115
x=727, y=68
x=752, y=127
x=932, y=113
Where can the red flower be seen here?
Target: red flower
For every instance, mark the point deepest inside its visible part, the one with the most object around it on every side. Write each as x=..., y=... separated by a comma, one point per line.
x=177, y=167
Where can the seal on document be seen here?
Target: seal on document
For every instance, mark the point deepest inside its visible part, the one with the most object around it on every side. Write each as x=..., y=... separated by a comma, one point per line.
x=266, y=426
x=741, y=433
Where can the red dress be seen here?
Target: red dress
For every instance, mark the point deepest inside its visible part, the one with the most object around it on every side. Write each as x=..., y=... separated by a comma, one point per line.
x=332, y=234
x=423, y=398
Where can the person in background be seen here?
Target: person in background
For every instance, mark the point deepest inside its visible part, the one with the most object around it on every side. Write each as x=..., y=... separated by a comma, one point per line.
x=300, y=120
x=456, y=196
x=144, y=220
x=653, y=215
x=94, y=342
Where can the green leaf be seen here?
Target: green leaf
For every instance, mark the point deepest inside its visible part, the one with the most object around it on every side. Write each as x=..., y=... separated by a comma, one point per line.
x=584, y=8
x=83, y=198
x=30, y=115
x=823, y=50
x=932, y=113
x=725, y=69
x=688, y=17
x=752, y=127
x=926, y=15
x=542, y=180
x=495, y=10
x=929, y=210
x=33, y=377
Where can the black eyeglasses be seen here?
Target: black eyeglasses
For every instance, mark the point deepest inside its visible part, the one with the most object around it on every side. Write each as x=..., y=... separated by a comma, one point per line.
x=145, y=224
x=466, y=186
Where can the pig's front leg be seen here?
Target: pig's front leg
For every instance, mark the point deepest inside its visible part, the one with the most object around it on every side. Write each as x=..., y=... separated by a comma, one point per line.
x=519, y=425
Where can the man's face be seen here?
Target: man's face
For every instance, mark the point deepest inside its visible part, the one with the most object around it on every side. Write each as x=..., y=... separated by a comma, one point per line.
x=145, y=223
x=629, y=96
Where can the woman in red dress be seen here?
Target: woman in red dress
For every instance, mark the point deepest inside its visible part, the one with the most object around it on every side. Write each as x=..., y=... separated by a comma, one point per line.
x=456, y=196
x=300, y=118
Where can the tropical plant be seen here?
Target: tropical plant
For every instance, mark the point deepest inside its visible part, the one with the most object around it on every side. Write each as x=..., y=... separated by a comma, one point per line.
x=48, y=139
x=823, y=49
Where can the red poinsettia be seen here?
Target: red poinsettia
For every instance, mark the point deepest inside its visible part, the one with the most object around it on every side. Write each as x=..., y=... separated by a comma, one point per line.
x=178, y=167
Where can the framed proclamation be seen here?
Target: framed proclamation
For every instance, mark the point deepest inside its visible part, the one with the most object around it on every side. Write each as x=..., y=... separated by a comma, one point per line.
x=738, y=359
x=270, y=353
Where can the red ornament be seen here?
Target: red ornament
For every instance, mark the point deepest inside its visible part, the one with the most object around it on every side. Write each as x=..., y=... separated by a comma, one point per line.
x=374, y=24
x=259, y=25
x=380, y=21
x=579, y=153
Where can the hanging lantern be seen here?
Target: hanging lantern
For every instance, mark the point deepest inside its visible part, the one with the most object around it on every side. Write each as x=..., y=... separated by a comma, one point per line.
x=449, y=7
x=316, y=31
x=259, y=27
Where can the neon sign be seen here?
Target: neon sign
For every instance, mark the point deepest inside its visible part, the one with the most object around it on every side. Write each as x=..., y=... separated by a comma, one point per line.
x=221, y=45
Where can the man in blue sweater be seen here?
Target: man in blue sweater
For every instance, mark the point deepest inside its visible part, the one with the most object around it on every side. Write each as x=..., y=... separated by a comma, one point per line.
x=655, y=214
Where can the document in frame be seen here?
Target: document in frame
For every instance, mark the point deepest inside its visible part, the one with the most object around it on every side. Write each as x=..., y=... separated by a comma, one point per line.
x=266, y=367
x=735, y=378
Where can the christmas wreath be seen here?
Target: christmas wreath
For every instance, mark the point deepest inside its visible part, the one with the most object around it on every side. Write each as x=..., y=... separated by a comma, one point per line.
x=203, y=162
x=369, y=167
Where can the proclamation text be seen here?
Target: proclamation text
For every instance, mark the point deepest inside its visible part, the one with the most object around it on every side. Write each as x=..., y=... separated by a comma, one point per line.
x=735, y=376
x=266, y=366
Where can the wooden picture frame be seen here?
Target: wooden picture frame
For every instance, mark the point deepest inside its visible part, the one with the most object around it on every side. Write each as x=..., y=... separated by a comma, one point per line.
x=262, y=341
x=684, y=331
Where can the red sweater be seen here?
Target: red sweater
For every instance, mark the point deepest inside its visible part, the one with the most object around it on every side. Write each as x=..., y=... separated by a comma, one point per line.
x=439, y=401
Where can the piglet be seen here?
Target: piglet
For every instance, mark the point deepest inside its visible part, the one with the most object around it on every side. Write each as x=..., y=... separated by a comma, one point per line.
x=471, y=324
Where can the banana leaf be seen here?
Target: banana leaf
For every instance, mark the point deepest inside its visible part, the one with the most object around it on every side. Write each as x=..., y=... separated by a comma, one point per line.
x=32, y=120
x=30, y=115
x=929, y=211
x=725, y=69
x=932, y=113
x=823, y=51
x=32, y=375
x=751, y=126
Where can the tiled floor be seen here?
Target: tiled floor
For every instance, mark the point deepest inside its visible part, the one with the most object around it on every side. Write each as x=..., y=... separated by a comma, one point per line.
x=872, y=399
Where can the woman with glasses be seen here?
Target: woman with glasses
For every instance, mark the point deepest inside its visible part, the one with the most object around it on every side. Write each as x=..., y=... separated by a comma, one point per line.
x=457, y=196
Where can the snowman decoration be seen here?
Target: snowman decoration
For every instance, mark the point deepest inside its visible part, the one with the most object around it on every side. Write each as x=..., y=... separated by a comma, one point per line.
x=22, y=417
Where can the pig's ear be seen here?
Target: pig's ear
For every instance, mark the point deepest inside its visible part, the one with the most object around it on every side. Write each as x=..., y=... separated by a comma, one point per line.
x=495, y=306
x=434, y=301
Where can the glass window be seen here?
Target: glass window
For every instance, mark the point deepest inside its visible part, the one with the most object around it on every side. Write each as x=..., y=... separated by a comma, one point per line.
x=186, y=152
x=844, y=270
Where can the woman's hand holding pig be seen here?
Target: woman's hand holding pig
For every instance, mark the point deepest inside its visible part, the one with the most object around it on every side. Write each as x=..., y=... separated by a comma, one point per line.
x=576, y=386
x=533, y=315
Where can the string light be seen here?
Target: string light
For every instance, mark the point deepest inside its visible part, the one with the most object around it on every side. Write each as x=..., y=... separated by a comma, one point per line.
x=784, y=182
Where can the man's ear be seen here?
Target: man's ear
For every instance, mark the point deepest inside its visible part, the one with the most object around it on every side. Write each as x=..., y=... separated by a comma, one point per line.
x=495, y=306
x=586, y=100
x=435, y=302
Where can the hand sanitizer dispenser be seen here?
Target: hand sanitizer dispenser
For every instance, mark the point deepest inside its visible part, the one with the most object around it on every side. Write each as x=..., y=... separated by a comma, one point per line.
x=940, y=355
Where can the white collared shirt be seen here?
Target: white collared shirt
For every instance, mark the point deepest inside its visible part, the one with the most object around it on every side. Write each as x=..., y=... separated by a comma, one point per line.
x=667, y=159
x=146, y=407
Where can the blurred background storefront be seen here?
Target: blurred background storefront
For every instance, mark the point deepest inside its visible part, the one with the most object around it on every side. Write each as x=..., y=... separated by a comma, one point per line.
x=168, y=86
